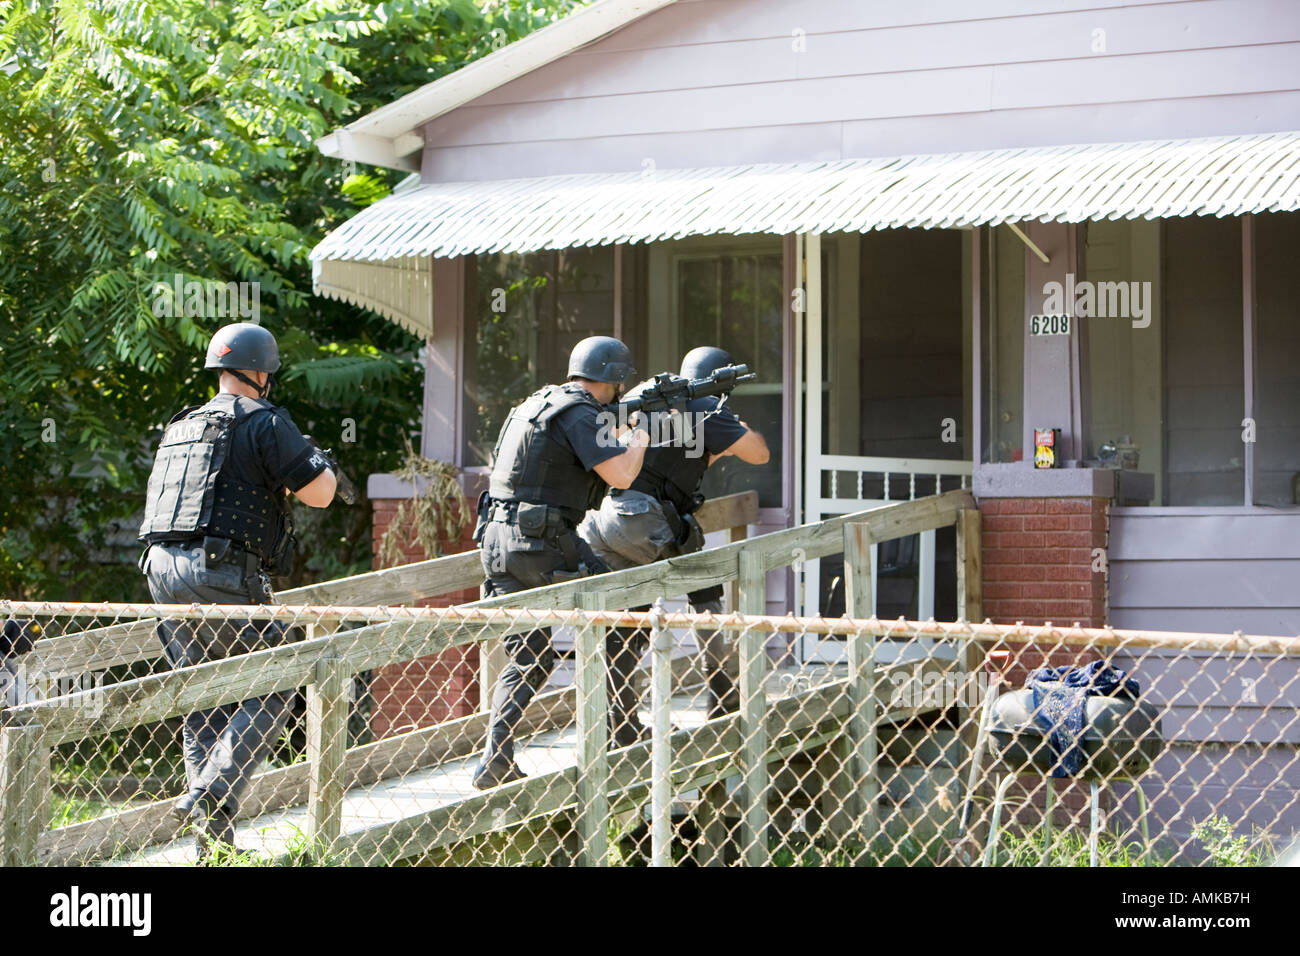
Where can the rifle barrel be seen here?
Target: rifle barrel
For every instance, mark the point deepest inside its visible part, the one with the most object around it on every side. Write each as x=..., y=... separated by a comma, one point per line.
x=665, y=393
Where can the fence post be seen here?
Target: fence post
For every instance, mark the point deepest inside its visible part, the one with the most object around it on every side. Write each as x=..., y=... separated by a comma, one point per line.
x=970, y=608
x=661, y=757
x=860, y=744
x=593, y=735
x=492, y=661
x=710, y=849
x=753, y=707
x=327, y=745
x=24, y=786
x=738, y=533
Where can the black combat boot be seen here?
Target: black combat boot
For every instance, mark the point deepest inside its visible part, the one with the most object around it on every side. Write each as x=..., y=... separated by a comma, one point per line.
x=496, y=770
x=215, y=830
x=723, y=697
x=626, y=730
x=497, y=765
x=625, y=647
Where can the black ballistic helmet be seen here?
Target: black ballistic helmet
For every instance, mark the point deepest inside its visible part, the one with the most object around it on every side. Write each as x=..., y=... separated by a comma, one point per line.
x=704, y=361
x=243, y=346
x=601, y=358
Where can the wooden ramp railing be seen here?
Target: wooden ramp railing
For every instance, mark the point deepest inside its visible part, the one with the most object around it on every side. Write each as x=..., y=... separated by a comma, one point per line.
x=748, y=741
x=407, y=584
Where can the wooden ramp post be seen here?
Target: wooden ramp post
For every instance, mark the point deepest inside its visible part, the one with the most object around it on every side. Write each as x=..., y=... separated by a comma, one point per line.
x=860, y=743
x=327, y=745
x=593, y=736
x=753, y=706
x=710, y=848
x=970, y=608
x=24, y=790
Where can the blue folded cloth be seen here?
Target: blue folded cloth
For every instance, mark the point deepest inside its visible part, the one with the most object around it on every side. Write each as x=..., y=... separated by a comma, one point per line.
x=1059, y=696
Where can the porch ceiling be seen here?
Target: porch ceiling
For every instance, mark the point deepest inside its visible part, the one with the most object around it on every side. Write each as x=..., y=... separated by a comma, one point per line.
x=1219, y=176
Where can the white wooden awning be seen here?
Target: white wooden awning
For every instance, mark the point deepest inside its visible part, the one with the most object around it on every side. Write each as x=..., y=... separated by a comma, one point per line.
x=1219, y=176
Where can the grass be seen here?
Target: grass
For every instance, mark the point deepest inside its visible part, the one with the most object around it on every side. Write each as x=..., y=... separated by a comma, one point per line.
x=301, y=850
x=66, y=811
x=1070, y=848
x=1226, y=848
x=630, y=847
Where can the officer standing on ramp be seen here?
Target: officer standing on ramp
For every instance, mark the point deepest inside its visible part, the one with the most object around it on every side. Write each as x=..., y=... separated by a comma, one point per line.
x=652, y=520
x=216, y=525
x=553, y=459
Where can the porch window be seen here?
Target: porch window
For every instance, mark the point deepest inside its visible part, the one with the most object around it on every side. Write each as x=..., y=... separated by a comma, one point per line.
x=1173, y=381
x=1277, y=359
x=524, y=314
x=1002, y=349
x=734, y=300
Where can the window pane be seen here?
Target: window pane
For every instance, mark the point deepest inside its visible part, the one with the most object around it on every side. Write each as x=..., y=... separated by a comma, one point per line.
x=1124, y=340
x=911, y=344
x=526, y=314
x=1203, y=362
x=1277, y=358
x=736, y=301
x=1003, y=355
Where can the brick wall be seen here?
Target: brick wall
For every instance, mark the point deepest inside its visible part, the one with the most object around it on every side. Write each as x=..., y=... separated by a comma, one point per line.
x=1038, y=556
x=430, y=689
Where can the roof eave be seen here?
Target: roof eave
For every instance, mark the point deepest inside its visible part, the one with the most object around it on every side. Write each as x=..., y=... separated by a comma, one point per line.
x=386, y=137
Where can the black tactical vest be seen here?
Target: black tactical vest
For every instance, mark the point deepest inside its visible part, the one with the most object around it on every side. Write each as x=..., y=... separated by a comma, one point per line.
x=530, y=465
x=190, y=497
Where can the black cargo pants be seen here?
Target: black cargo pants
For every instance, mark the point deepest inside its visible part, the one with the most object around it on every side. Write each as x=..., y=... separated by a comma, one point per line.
x=225, y=744
x=513, y=561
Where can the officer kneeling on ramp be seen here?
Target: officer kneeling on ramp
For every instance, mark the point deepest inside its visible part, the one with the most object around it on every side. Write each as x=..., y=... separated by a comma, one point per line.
x=553, y=460
x=217, y=525
x=652, y=520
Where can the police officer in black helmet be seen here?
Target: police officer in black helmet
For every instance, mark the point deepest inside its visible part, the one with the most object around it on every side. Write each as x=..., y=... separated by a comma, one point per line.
x=553, y=460
x=216, y=525
x=652, y=520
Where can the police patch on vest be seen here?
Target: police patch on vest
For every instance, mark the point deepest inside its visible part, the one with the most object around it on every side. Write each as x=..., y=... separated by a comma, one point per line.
x=185, y=432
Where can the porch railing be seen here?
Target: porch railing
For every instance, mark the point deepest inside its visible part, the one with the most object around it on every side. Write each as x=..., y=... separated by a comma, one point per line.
x=849, y=483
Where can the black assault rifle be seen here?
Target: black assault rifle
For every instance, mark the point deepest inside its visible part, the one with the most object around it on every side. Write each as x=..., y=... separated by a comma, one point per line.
x=672, y=392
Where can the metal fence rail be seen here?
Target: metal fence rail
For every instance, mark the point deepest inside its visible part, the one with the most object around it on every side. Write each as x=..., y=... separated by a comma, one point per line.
x=821, y=765
x=921, y=748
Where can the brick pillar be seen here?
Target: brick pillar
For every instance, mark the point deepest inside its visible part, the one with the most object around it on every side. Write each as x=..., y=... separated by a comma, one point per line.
x=431, y=689
x=1038, y=556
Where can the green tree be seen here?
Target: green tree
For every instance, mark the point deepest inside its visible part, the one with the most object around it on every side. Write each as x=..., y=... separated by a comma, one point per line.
x=146, y=143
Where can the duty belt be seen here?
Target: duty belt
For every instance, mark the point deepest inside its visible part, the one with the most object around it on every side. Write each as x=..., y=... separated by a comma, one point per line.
x=507, y=512
x=555, y=528
x=220, y=551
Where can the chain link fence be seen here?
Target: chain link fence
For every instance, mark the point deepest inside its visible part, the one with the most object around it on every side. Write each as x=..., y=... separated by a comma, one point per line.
x=349, y=736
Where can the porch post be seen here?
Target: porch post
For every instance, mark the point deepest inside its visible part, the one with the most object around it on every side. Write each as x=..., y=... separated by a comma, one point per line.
x=1248, y=344
x=812, y=429
x=444, y=365
x=1054, y=364
x=976, y=430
